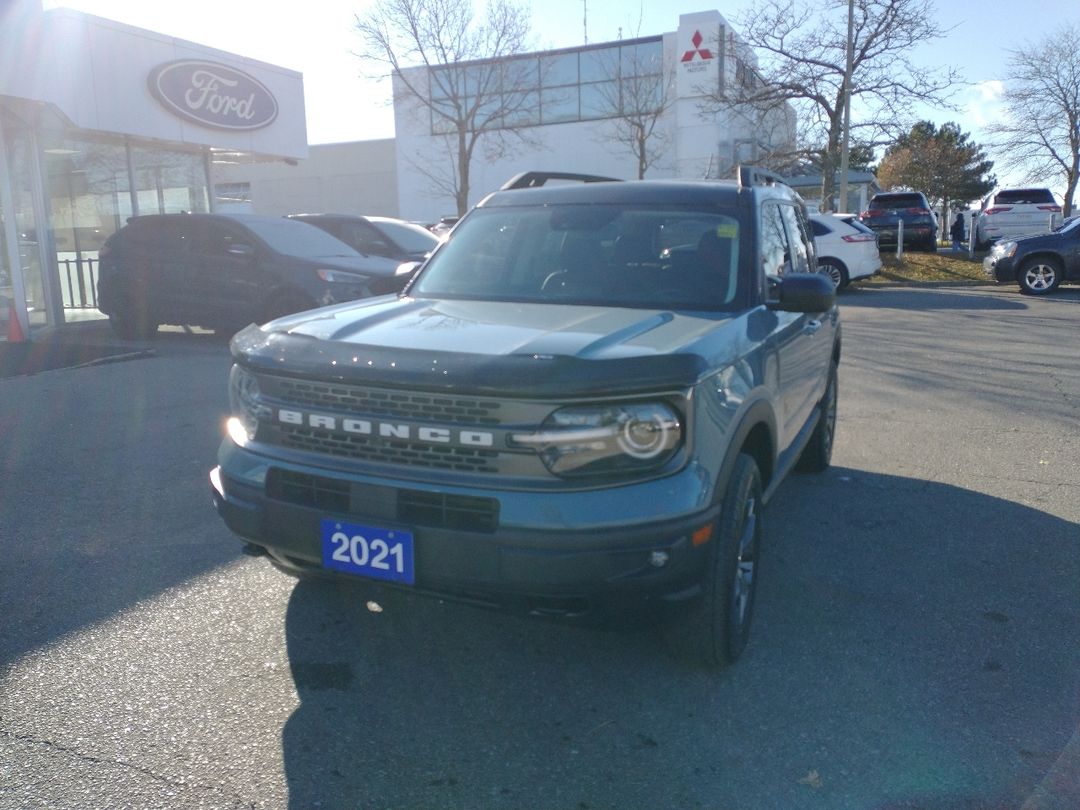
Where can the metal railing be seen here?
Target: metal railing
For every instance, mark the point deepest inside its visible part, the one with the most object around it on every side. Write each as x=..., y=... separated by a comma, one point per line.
x=78, y=281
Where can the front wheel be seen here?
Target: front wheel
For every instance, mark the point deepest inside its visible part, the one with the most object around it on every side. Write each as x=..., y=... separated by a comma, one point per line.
x=1039, y=276
x=716, y=629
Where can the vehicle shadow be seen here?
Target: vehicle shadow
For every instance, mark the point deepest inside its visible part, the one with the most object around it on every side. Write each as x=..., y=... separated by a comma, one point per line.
x=913, y=648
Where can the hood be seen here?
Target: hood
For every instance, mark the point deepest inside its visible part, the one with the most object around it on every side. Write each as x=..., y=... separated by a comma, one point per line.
x=368, y=265
x=490, y=347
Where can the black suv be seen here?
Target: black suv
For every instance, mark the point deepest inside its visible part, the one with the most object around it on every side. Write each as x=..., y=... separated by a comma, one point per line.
x=1039, y=263
x=223, y=271
x=583, y=400
x=887, y=210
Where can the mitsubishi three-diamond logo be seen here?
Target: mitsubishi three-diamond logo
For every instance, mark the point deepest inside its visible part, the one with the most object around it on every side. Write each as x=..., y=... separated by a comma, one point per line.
x=704, y=53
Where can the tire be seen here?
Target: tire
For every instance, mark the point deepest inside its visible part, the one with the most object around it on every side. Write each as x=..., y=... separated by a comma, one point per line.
x=715, y=630
x=817, y=455
x=931, y=246
x=286, y=303
x=1039, y=275
x=836, y=271
x=130, y=319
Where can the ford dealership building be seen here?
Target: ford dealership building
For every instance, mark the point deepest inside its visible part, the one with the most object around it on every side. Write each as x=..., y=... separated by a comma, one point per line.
x=100, y=121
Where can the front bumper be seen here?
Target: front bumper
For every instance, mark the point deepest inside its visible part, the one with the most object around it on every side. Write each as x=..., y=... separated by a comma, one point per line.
x=1000, y=268
x=629, y=545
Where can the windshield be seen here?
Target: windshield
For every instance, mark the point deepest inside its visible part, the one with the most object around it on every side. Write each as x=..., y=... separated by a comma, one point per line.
x=603, y=255
x=295, y=238
x=411, y=238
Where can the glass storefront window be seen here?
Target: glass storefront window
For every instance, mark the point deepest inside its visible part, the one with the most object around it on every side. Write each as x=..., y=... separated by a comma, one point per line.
x=559, y=104
x=599, y=100
x=21, y=159
x=560, y=69
x=170, y=182
x=88, y=199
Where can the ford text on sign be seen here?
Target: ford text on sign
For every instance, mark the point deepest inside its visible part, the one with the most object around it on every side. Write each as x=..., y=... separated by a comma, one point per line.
x=213, y=94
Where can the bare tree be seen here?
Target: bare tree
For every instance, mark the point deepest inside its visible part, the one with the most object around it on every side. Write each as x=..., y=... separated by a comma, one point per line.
x=804, y=49
x=636, y=96
x=468, y=82
x=1039, y=134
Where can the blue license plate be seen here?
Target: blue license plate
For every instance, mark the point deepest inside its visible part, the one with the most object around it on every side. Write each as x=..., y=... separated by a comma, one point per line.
x=368, y=551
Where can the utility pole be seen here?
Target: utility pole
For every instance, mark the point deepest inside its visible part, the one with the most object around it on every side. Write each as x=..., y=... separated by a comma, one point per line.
x=844, y=147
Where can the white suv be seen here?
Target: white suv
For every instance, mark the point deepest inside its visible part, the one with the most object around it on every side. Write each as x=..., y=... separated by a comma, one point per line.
x=1012, y=212
x=846, y=249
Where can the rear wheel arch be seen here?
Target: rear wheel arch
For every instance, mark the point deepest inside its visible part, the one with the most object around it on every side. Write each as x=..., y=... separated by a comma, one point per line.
x=841, y=277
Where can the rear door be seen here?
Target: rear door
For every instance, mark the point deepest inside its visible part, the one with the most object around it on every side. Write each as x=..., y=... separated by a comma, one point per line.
x=157, y=256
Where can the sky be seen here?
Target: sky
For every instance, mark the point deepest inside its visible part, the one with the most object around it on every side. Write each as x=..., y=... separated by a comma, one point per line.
x=318, y=39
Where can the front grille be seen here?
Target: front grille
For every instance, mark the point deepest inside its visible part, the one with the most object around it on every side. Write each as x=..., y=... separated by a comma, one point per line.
x=413, y=454
x=314, y=491
x=408, y=506
x=448, y=511
x=395, y=404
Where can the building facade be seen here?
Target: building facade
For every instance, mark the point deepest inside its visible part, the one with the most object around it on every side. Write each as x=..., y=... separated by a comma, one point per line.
x=100, y=121
x=571, y=109
x=575, y=110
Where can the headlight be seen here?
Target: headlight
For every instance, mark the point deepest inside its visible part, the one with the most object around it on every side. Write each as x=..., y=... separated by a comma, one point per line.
x=1004, y=249
x=341, y=276
x=597, y=440
x=244, y=396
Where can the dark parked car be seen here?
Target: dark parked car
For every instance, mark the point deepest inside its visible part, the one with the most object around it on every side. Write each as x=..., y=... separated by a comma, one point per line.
x=887, y=210
x=376, y=236
x=222, y=271
x=1040, y=263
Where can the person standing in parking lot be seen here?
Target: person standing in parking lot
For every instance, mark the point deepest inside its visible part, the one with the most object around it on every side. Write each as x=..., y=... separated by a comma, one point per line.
x=957, y=232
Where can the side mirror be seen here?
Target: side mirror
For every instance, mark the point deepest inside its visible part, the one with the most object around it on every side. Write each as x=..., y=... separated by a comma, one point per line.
x=802, y=292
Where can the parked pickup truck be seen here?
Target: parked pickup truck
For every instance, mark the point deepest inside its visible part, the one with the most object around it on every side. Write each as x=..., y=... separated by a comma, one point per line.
x=582, y=402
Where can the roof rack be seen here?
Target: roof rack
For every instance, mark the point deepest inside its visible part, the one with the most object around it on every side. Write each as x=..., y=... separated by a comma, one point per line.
x=756, y=176
x=537, y=179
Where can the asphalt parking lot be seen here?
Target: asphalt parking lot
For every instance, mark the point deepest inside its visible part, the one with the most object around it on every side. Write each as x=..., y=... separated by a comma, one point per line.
x=916, y=642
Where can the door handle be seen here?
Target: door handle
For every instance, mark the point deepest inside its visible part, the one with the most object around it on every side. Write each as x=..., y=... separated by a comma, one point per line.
x=812, y=327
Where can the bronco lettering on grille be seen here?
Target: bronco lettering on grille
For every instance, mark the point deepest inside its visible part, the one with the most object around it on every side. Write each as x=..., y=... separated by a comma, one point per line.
x=386, y=430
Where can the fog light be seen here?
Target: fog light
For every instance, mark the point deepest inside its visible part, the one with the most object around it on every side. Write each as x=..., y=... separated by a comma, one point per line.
x=658, y=559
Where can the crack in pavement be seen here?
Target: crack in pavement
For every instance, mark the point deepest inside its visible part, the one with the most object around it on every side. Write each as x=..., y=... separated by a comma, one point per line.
x=94, y=760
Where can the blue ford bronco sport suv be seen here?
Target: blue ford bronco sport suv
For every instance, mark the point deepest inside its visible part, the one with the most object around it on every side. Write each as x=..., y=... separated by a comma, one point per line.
x=584, y=399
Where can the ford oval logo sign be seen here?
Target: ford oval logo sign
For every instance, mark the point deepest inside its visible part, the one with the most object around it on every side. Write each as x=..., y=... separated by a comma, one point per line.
x=213, y=95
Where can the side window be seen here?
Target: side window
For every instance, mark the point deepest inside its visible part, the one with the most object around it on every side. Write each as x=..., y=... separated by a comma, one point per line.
x=171, y=236
x=798, y=239
x=365, y=239
x=773, y=240
x=219, y=238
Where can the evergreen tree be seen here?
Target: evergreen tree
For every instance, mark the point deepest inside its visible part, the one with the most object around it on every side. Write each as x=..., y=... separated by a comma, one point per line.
x=942, y=163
